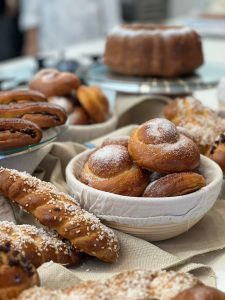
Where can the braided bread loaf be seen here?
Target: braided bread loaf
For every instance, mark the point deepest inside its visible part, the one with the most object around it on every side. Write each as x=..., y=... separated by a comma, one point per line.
x=37, y=245
x=60, y=212
x=132, y=285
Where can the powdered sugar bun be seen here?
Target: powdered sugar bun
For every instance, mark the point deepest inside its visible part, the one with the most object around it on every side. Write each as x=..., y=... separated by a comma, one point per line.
x=111, y=169
x=158, y=146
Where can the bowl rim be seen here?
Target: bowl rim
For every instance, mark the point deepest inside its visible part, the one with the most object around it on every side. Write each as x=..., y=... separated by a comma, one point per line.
x=120, y=198
x=113, y=118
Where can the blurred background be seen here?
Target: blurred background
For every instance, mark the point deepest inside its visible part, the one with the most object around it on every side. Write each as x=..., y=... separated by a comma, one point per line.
x=31, y=27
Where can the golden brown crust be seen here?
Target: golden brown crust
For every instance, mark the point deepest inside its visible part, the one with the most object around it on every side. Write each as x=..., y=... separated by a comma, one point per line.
x=217, y=151
x=7, y=97
x=60, y=212
x=111, y=169
x=153, y=50
x=51, y=82
x=16, y=274
x=158, y=146
x=117, y=140
x=200, y=292
x=132, y=285
x=18, y=133
x=78, y=117
x=175, y=184
x=94, y=103
x=44, y=115
x=38, y=245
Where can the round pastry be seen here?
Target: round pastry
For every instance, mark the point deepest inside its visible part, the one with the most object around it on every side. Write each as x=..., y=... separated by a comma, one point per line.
x=62, y=101
x=16, y=273
x=175, y=184
x=111, y=169
x=7, y=97
x=94, y=103
x=158, y=146
x=116, y=140
x=51, y=82
x=153, y=50
x=217, y=151
x=78, y=117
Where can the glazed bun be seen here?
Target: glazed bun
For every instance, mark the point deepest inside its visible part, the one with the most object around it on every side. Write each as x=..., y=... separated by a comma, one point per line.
x=200, y=292
x=217, y=151
x=175, y=184
x=158, y=146
x=111, y=169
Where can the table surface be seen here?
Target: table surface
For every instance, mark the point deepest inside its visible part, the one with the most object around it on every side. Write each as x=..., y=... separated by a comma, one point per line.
x=214, y=51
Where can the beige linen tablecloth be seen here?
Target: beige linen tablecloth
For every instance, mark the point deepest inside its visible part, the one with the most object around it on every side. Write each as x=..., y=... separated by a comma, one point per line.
x=184, y=253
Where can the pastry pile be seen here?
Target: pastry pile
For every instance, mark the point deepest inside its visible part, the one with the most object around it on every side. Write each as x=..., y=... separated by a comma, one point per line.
x=83, y=104
x=203, y=124
x=157, y=160
x=23, y=115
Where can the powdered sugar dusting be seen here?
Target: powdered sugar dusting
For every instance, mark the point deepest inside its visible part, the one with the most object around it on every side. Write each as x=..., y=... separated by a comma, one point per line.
x=160, y=131
x=20, y=236
x=132, y=285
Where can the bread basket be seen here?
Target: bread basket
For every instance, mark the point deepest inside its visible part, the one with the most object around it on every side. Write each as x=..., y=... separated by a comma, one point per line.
x=152, y=219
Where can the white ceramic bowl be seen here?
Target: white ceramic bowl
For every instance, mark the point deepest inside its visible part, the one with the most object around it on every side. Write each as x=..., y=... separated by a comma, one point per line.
x=153, y=219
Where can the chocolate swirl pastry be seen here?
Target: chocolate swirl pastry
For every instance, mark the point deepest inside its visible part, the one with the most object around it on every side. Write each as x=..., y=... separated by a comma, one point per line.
x=7, y=97
x=43, y=114
x=16, y=273
x=18, y=133
x=217, y=151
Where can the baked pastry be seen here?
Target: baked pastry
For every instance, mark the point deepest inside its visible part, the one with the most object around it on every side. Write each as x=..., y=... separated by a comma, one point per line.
x=200, y=292
x=60, y=212
x=62, y=101
x=51, y=82
x=18, y=133
x=117, y=140
x=16, y=273
x=7, y=97
x=153, y=50
x=111, y=169
x=132, y=285
x=44, y=115
x=202, y=123
x=78, y=117
x=38, y=245
x=158, y=146
x=175, y=184
x=94, y=102
x=217, y=151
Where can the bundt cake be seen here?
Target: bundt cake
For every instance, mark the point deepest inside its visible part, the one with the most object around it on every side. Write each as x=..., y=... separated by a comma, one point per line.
x=153, y=50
